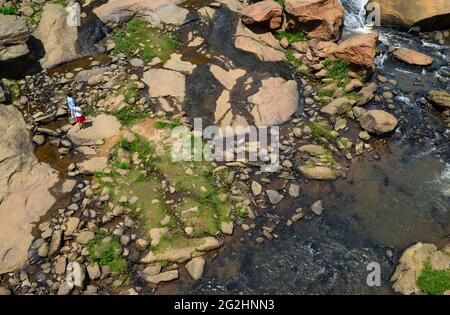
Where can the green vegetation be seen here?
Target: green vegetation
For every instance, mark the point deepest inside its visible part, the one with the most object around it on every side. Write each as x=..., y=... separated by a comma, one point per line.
x=293, y=61
x=142, y=37
x=64, y=3
x=34, y=19
x=166, y=124
x=433, y=281
x=321, y=131
x=106, y=250
x=292, y=37
x=129, y=115
x=8, y=10
x=129, y=89
x=336, y=70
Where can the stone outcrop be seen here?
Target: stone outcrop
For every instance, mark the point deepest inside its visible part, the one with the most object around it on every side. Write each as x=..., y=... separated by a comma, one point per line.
x=267, y=12
x=322, y=19
x=57, y=36
x=358, y=50
x=24, y=189
x=14, y=33
x=412, y=57
x=115, y=13
x=429, y=15
x=412, y=262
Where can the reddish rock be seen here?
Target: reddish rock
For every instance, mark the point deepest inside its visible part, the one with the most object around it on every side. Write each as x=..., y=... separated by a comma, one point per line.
x=265, y=11
x=358, y=50
x=322, y=19
x=412, y=57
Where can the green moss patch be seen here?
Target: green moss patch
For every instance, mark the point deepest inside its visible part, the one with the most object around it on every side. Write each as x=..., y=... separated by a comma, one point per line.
x=142, y=37
x=106, y=250
x=433, y=281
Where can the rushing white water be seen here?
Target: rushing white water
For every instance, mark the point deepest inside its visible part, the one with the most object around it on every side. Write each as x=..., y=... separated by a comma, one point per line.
x=355, y=17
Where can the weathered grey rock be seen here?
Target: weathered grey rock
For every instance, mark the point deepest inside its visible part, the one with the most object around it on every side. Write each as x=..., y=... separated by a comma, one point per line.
x=195, y=267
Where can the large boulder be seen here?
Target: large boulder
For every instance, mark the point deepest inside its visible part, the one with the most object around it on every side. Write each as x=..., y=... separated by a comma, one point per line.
x=429, y=15
x=24, y=189
x=275, y=102
x=412, y=263
x=57, y=36
x=267, y=11
x=114, y=13
x=439, y=98
x=359, y=50
x=14, y=33
x=322, y=19
x=378, y=122
x=412, y=57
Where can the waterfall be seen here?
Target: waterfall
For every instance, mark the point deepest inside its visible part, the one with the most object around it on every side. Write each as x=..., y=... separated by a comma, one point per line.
x=355, y=13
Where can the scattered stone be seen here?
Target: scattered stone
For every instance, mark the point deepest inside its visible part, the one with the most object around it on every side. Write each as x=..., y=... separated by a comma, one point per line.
x=84, y=237
x=163, y=277
x=195, y=267
x=317, y=207
x=274, y=196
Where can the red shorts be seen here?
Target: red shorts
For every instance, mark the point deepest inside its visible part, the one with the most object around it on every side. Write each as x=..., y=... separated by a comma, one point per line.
x=80, y=119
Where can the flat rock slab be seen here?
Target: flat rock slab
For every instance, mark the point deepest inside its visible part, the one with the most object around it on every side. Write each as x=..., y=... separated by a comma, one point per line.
x=102, y=127
x=162, y=83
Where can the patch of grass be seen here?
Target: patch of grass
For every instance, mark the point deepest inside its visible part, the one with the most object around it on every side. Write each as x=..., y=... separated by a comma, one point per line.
x=129, y=89
x=433, y=281
x=337, y=70
x=325, y=93
x=129, y=115
x=292, y=37
x=139, y=35
x=320, y=131
x=294, y=62
x=328, y=158
x=9, y=10
x=106, y=250
x=166, y=124
x=64, y=3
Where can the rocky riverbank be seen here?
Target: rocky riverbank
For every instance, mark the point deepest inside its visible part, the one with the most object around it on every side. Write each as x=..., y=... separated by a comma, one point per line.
x=122, y=217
